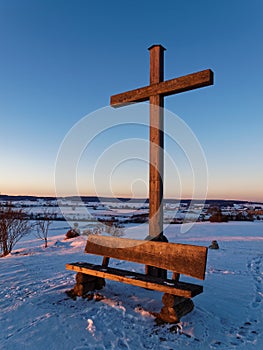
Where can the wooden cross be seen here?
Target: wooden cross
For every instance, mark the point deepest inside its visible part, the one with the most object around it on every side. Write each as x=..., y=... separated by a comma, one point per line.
x=155, y=93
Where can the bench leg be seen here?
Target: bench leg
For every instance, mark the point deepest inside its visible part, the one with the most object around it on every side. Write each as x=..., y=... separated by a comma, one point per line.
x=175, y=308
x=86, y=283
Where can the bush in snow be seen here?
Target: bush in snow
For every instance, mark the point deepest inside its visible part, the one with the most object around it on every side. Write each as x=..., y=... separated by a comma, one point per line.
x=114, y=229
x=74, y=232
x=42, y=225
x=14, y=225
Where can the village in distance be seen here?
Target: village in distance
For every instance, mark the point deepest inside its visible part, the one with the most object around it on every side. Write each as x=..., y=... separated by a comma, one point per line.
x=119, y=211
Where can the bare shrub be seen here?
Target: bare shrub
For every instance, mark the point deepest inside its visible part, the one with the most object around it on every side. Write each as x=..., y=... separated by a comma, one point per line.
x=108, y=227
x=14, y=225
x=87, y=232
x=114, y=230
x=42, y=225
x=96, y=230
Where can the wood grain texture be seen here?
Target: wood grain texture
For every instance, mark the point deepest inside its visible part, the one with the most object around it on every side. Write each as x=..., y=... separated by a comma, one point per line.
x=156, y=64
x=174, y=314
x=185, y=259
x=165, y=88
x=171, y=300
x=187, y=290
x=156, y=145
x=155, y=93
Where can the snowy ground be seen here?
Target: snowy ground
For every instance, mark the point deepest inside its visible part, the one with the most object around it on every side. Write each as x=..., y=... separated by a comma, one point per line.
x=37, y=314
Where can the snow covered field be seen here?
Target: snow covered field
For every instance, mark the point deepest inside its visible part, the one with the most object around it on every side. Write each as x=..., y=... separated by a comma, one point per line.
x=37, y=314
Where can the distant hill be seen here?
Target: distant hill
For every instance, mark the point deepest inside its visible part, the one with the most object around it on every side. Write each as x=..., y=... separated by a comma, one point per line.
x=211, y=202
x=4, y=197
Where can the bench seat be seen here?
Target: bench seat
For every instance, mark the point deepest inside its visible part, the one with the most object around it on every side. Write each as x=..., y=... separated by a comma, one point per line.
x=182, y=289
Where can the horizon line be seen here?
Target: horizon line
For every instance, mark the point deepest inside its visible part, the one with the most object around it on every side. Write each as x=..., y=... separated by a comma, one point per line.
x=129, y=198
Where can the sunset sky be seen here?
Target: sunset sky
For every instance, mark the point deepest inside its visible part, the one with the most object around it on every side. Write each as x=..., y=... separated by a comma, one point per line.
x=61, y=60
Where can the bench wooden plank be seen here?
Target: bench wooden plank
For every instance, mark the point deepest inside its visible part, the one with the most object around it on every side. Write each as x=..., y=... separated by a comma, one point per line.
x=180, y=258
x=183, y=289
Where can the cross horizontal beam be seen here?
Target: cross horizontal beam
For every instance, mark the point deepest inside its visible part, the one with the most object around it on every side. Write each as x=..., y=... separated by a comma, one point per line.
x=165, y=88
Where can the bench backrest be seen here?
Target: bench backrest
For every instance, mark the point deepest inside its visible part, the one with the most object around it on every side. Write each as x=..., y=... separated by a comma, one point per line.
x=180, y=258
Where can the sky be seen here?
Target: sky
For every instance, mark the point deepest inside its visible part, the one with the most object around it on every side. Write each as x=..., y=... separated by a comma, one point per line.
x=62, y=60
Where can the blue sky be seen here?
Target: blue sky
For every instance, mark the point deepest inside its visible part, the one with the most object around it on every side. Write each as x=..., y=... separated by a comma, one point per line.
x=61, y=60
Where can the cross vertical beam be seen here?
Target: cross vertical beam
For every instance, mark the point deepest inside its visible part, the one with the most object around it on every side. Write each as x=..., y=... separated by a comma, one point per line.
x=156, y=165
x=155, y=93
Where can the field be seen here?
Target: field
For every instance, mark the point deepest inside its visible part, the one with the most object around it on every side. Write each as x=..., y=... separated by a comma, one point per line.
x=37, y=314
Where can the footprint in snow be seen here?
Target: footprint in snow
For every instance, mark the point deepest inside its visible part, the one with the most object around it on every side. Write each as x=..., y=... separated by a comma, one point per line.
x=255, y=268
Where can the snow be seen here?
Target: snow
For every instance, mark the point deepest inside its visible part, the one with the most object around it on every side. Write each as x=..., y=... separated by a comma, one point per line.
x=37, y=314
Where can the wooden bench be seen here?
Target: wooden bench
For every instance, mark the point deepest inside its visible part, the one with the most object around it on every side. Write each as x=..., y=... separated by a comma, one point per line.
x=180, y=259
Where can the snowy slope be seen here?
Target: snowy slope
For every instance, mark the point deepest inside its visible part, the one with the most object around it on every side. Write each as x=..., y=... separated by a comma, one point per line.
x=37, y=314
